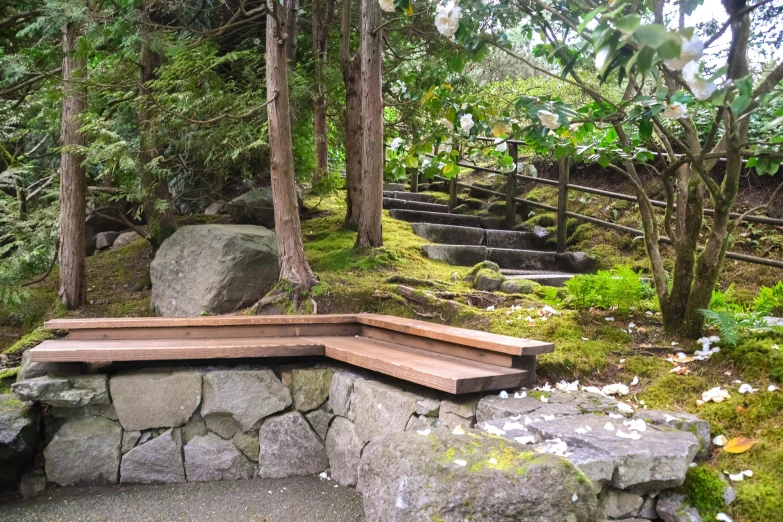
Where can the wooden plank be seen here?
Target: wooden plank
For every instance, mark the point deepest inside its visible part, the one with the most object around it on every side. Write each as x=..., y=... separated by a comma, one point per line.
x=220, y=332
x=441, y=372
x=442, y=347
x=173, y=349
x=463, y=336
x=213, y=320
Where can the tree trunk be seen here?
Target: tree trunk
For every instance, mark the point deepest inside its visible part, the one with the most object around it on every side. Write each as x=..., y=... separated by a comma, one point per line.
x=321, y=23
x=370, y=221
x=293, y=264
x=292, y=23
x=161, y=223
x=352, y=78
x=73, y=185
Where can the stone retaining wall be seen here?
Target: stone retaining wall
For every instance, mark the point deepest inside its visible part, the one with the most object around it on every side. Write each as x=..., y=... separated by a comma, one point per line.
x=415, y=454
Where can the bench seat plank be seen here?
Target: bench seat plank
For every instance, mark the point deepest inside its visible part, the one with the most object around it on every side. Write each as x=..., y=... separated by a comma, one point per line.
x=441, y=372
x=476, y=339
x=173, y=349
x=209, y=320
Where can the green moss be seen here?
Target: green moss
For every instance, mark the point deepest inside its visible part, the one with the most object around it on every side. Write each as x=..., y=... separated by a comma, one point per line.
x=575, y=359
x=7, y=377
x=613, y=334
x=646, y=367
x=30, y=340
x=450, y=454
x=755, y=357
x=673, y=391
x=704, y=489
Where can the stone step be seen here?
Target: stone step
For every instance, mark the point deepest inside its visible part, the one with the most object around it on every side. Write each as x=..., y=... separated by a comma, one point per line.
x=556, y=279
x=449, y=234
x=397, y=187
x=410, y=196
x=418, y=216
x=512, y=239
x=519, y=259
x=405, y=204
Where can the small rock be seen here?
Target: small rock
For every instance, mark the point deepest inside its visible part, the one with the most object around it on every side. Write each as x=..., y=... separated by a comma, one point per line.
x=517, y=287
x=621, y=504
x=247, y=443
x=124, y=239
x=222, y=424
x=159, y=461
x=290, y=448
x=31, y=370
x=672, y=507
x=340, y=393
x=129, y=440
x=420, y=422
x=319, y=420
x=214, y=208
x=428, y=407
x=101, y=410
x=84, y=451
x=309, y=386
x=488, y=281
x=209, y=457
x=344, y=450
x=104, y=240
x=195, y=427
x=462, y=413
x=64, y=391
x=578, y=262
x=32, y=484
x=729, y=495
x=648, y=510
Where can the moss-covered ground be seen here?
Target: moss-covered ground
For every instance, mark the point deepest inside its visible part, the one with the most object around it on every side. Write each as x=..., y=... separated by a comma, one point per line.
x=588, y=347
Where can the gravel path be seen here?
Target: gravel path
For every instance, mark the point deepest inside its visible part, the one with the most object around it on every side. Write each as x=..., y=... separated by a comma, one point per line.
x=305, y=499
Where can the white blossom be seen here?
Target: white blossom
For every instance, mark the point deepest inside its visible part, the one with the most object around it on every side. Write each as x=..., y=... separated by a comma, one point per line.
x=636, y=425
x=548, y=119
x=447, y=20
x=747, y=388
x=387, y=5
x=635, y=381
x=423, y=432
x=396, y=143
x=720, y=440
x=716, y=394
x=615, y=389
x=500, y=145
x=466, y=122
x=446, y=123
x=691, y=50
x=600, y=58
x=675, y=111
x=701, y=88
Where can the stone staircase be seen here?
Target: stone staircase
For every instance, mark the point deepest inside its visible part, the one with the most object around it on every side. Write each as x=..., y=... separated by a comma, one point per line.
x=465, y=240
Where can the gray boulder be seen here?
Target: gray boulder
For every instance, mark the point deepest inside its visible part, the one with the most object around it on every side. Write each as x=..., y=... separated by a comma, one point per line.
x=344, y=450
x=246, y=396
x=683, y=422
x=458, y=413
x=158, y=461
x=380, y=409
x=209, y=457
x=104, y=240
x=488, y=281
x=578, y=262
x=31, y=370
x=84, y=451
x=75, y=391
x=124, y=239
x=442, y=476
x=622, y=504
x=256, y=208
x=213, y=268
x=517, y=286
x=18, y=439
x=155, y=399
x=341, y=393
x=290, y=448
x=672, y=507
x=215, y=208
x=32, y=484
x=310, y=386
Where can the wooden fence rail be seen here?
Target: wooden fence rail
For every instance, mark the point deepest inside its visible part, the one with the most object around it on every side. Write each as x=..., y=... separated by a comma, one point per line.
x=564, y=185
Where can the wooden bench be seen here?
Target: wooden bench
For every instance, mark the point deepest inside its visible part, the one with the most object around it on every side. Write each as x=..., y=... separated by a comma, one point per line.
x=455, y=360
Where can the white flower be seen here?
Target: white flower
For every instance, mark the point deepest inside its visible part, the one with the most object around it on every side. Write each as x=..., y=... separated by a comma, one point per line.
x=691, y=50
x=636, y=425
x=772, y=388
x=446, y=123
x=396, y=143
x=548, y=119
x=623, y=407
x=500, y=145
x=387, y=5
x=567, y=386
x=716, y=394
x=574, y=497
x=600, y=58
x=466, y=122
x=675, y=111
x=447, y=21
x=518, y=395
x=701, y=88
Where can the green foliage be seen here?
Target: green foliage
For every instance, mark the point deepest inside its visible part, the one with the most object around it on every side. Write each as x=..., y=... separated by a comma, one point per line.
x=620, y=288
x=704, y=489
x=732, y=317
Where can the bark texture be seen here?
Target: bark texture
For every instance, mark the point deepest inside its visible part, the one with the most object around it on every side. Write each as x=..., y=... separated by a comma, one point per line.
x=294, y=268
x=161, y=222
x=73, y=185
x=370, y=221
x=322, y=20
x=351, y=66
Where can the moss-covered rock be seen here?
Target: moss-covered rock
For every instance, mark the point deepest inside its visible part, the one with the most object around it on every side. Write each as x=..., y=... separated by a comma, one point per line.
x=488, y=280
x=18, y=439
x=484, y=265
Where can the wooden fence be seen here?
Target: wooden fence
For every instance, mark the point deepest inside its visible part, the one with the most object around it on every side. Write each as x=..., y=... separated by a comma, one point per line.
x=564, y=185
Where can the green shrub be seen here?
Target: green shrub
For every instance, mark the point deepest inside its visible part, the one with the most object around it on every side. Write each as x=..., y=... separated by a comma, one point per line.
x=619, y=287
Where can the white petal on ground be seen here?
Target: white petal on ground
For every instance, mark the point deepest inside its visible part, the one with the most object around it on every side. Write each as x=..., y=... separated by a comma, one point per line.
x=635, y=380
x=720, y=440
x=623, y=407
x=460, y=462
x=574, y=497
x=669, y=418
x=423, y=432
x=581, y=431
x=503, y=394
x=747, y=388
x=548, y=417
x=526, y=439
x=458, y=431
x=494, y=430
x=716, y=394
x=636, y=425
x=609, y=426
x=772, y=388
x=723, y=517
x=493, y=461
x=544, y=399
x=510, y=426
x=634, y=435
x=615, y=389
x=520, y=395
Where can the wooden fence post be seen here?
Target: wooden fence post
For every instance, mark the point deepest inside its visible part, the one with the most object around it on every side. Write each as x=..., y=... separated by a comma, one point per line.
x=413, y=175
x=562, y=204
x=511, y=188
x=453, y=186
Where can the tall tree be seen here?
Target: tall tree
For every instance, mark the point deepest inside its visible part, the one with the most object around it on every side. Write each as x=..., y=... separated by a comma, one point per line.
x=351, y=66
x=370, y=221
x=292, y=24
x=322, y=21
x=73, y=185
x=294, y=268
x=158, y=210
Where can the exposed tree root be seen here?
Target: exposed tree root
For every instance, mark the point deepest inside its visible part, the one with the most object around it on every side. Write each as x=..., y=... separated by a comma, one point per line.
x=285, y=298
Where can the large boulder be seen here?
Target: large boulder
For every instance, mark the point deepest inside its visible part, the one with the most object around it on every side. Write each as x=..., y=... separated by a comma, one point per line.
x=84, y=451
x=245, y=396
x=256, y=208
x=344, y=450
x=209, y=457
x=213, y=268
x=380, y=409
x=18, y=438
x=289, y=448
x=155, y=399
x=158, y=461
x=451, y=477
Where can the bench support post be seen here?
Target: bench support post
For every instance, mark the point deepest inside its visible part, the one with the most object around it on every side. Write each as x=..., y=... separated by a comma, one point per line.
x=511, y=188
x=562, y=204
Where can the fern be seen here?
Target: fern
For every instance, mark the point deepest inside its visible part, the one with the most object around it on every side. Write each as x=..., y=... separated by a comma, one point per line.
x=726, y=323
